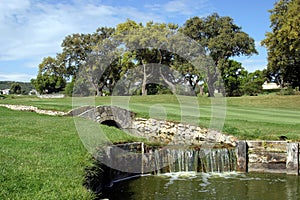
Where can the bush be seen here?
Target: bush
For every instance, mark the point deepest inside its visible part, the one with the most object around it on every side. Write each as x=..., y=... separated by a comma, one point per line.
x=69, y=89
x=289, y=91
x=252, y=88
x=15, y=88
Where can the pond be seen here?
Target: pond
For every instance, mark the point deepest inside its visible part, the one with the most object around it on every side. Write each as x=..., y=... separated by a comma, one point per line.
x=191, y=185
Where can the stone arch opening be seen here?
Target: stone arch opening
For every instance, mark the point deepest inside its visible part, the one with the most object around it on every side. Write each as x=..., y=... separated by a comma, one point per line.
x=112, y=123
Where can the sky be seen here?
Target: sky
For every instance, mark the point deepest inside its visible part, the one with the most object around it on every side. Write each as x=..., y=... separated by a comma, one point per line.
x=33, y=29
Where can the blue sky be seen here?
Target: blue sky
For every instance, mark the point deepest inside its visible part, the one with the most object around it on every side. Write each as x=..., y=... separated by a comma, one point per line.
x=33, y=29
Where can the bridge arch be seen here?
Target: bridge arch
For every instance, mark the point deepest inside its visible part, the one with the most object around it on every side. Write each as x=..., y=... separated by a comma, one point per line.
x=108, y=115
x=112, y=123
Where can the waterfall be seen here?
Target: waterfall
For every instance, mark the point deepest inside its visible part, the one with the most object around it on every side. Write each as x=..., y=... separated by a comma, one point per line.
x=197, y=160
x=131, y=160
x=139, y=158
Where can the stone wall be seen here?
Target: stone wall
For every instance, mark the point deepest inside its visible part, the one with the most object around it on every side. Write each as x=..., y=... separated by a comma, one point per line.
x=51, y=96
x=33, y=109
x=273, y=157
x=125, y=161
x=130, y=160
x=168, y=132
x=251, y=156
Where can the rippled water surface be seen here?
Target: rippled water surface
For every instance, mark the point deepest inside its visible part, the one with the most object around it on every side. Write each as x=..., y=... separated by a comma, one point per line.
x=189, y=186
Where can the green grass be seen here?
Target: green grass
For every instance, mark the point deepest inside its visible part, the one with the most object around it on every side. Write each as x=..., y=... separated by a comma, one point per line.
x=41, y=157
x=263, y=117
x=64, y=104
x=260, y=117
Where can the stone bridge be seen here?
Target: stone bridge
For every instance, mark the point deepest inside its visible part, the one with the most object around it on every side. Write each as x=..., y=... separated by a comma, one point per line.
x=166, y=132
x=107, y=115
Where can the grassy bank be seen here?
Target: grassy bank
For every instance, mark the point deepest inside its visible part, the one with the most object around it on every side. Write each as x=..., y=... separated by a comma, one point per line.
x=42, y=157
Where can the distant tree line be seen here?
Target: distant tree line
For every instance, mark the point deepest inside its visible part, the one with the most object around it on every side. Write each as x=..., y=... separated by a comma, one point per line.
x=16, y=87
x=108, y=64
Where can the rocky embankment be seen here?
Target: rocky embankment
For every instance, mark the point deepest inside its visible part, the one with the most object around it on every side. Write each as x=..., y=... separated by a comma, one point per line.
x=33, y=109
x=179, y=133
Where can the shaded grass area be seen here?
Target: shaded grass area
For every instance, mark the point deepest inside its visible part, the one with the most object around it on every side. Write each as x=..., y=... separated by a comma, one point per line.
x=42, y=157
x=260, y=117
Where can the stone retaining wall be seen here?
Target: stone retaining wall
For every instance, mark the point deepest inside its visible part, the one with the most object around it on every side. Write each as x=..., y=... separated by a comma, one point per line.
x=169, y=132
x=273, y=157
x=251, y=156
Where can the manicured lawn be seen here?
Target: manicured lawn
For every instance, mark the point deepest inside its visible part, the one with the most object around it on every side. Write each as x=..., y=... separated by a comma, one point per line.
x=64, y=104
x=261, y=117
x=264, y=117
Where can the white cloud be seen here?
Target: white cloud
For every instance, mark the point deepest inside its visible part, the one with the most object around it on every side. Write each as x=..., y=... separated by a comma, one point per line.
x=33, y=29
x=16, y=77
x=30, y=28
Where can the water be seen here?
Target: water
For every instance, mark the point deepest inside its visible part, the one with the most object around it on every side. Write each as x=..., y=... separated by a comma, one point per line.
x=191, y=185
x=205, y=173
x=201, y=160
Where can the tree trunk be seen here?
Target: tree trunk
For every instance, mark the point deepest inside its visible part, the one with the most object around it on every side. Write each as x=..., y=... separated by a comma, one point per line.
x=211, y=88
x=144, y=84
x=211, y=79
x=144, y=89
x=171, y=85
x=201, y=87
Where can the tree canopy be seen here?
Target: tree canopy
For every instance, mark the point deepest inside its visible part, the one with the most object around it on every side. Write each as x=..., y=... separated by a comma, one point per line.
x=221, y=39
x=51, y=76
x=15, y=88
x=283, y=43
x=150, y=56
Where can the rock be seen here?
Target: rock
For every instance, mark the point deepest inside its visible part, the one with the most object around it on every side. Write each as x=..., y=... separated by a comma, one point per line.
x=33, y=109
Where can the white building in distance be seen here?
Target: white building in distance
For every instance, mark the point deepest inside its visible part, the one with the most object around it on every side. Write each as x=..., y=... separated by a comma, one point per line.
x=5, y=91
x=270, y=86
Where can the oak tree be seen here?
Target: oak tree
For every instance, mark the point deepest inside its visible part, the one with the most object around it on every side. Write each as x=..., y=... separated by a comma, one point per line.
x=222, y=39
x=283, y=43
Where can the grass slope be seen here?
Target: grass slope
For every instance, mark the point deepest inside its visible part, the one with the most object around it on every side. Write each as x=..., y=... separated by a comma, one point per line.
x=41, y=157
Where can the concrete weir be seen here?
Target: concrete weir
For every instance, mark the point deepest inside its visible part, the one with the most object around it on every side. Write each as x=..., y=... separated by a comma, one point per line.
x=249, y=156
